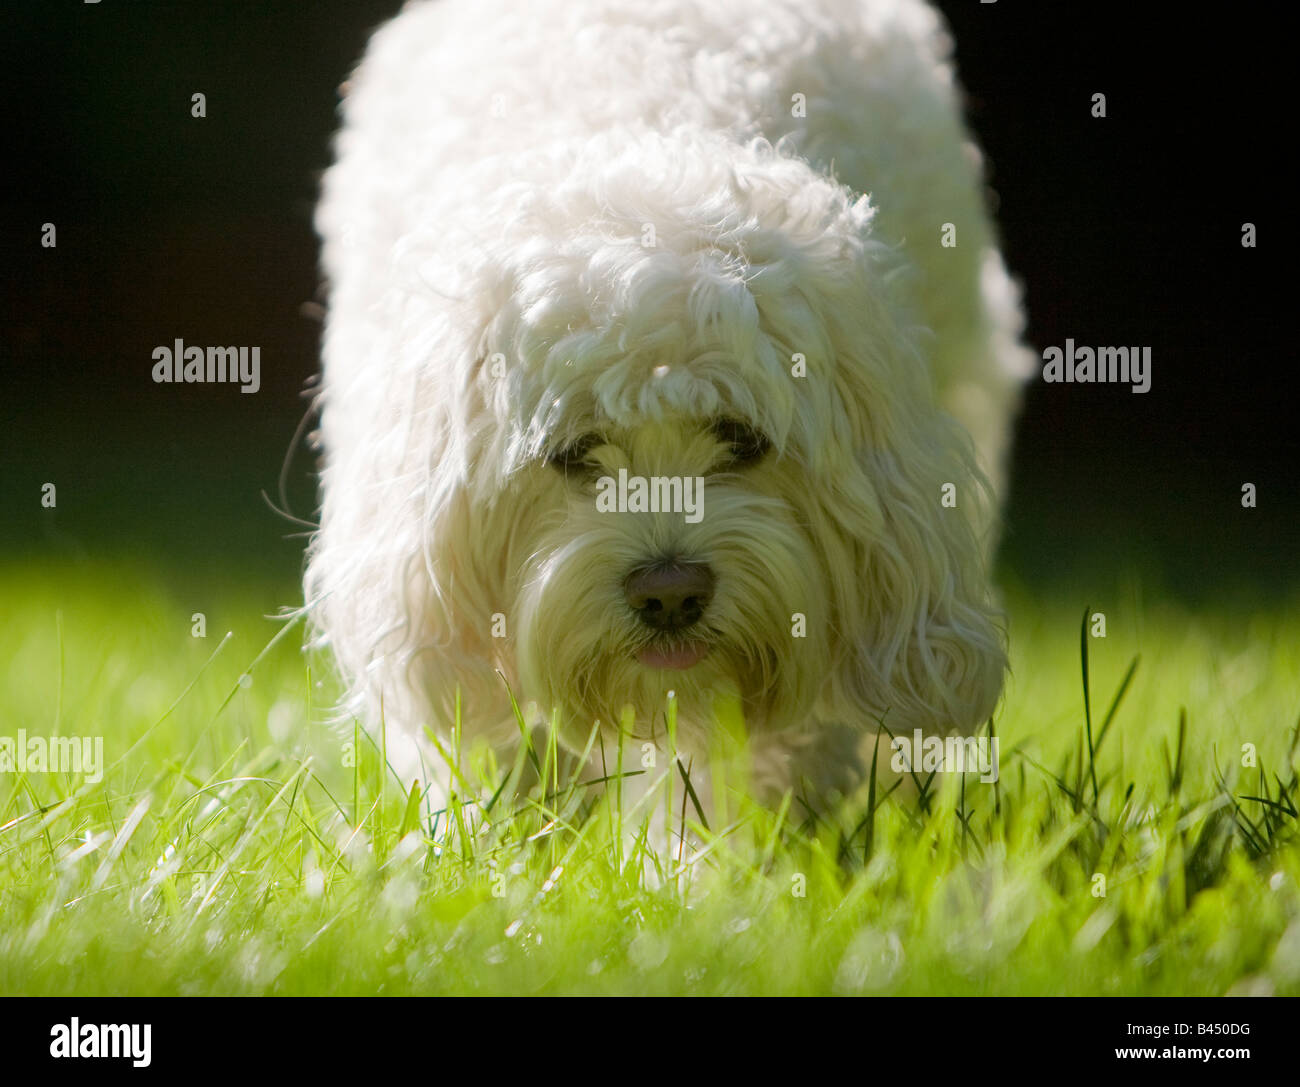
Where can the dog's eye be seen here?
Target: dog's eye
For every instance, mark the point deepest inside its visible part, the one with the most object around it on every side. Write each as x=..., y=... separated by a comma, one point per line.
x=747, y=445
x=573, y=457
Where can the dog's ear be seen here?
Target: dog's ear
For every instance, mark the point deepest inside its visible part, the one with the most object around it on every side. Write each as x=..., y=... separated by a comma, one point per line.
x=920, y=640
x=400, y=588
x=468, y=629
x=404, y=577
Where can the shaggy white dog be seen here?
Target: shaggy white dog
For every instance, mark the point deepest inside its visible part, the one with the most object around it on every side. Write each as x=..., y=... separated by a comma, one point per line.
x=584, y=250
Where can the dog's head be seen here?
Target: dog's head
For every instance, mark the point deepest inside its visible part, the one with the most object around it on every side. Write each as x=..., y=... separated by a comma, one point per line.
x=673, y=432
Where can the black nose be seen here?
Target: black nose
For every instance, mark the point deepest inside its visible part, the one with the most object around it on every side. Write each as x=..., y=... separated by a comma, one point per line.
x=669, y=595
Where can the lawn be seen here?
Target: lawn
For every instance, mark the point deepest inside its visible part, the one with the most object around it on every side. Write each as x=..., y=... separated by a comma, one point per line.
x=236, y=845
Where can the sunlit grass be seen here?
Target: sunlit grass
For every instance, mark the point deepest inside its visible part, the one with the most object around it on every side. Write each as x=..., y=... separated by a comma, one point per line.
x=235, y=846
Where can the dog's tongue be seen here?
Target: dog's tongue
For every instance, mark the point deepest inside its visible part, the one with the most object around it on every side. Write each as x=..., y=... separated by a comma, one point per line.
x=676, y=659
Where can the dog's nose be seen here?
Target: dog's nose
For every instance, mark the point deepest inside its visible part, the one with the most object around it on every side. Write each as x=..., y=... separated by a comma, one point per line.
x=669, y=595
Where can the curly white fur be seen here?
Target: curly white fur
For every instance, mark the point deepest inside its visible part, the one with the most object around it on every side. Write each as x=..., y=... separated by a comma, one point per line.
x=625, y=219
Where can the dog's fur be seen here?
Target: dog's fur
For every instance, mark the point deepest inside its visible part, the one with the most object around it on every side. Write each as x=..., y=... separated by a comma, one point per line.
x=624, y=220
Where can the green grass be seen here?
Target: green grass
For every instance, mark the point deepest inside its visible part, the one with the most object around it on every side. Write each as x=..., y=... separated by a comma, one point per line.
x=231, y=849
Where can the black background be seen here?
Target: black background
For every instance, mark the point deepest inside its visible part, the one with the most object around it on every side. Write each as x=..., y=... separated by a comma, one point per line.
x=1124, y=231
x=306, y=1037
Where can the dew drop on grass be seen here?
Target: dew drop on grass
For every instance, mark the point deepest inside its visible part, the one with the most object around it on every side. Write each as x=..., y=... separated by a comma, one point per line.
x=281, y=719
x=1286, y=956
x=871, y=961
x=647, y=950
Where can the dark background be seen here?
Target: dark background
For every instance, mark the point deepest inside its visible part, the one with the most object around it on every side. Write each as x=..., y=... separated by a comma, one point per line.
x=1124, y=230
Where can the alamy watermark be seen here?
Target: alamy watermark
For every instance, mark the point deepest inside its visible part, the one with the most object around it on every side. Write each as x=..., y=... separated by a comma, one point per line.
x=212, y=365
x=24, y=754
x=651, y=494
x=113, y=1040
x=1107, y=365
x=946, y=755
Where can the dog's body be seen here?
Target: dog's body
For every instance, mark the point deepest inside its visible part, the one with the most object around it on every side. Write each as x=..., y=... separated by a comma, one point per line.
x=574, y=237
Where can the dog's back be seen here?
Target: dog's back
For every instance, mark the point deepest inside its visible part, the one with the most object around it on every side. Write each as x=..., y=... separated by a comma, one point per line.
x=861, y=88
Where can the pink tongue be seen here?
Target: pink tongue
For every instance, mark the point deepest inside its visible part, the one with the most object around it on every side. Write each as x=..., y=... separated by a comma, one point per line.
x=674, y=659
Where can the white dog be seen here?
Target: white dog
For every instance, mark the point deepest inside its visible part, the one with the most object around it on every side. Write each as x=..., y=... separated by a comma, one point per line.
x=735, y=254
